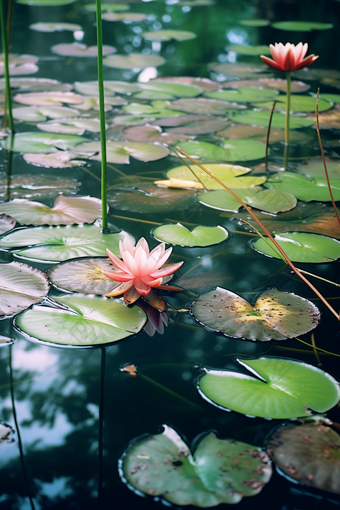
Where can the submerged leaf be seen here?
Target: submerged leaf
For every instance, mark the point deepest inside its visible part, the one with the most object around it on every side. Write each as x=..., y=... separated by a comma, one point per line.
x=199, y=236
x=28, y=186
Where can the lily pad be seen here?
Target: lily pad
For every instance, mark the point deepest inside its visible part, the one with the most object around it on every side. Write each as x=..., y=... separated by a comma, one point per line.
x=54, y=27
x=200, y=127
x=83, y=321
x=302, y=26
x=53, y=98
x=308, y=453
x=299, y=103
x=204, y=106
x=167, y=35
x=164, y=90
x=28, y=186
x=163, y=465
x=84, y=276
x=304, y=188
x=301, y=247
x=179, y=235
x=133, y=17
x=41, y=143
x=261, y=118
x=120, y=152
x=77, y=49
x=255, y=22
x=61, y=159
x=41, y=113
x=45, y=3
x=133, y=61
x=20, y=64
x=107, y=6
x=315, y=168
x=276, y=315
x=149, y=133
x=277, y=388
x=255, y=50
x=6, y=223
x=239, y=70
x=243, y=95
x=90, y=88
x=20, y=287
x=66, y=211
x=56, y=244
x=232, y=150
x=36, y=84
x=72, y=126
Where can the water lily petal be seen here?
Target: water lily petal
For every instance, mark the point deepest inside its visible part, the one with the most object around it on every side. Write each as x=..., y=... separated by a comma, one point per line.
x=166, y=270
x=116, y=261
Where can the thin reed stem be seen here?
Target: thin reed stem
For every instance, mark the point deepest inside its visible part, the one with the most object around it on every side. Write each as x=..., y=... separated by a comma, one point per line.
x=285, y=163
x=8, y=98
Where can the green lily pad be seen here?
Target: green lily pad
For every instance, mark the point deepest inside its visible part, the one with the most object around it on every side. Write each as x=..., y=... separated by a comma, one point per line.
x=164, y=90
x=304, y=188
x=167, y=35
x=66, y=211
x=36, y=84
x=133, y=61
x=56, y=244
x=83, y=276
x=149, y=133
x=133, y=17
x=72, y=125
x=333, y=98
x=271, y=201
x=239, y=70
x=243, y=95
x=157, y=109
x=20, y=287
x=315, y=168
x=299, y=103
x=204, y=106
x=54, y=27
x=277, y=388
x=41, y=113
x=42, y=143
x=60, y=159
x=87, y=321
x=120, y=152
x=90, y=88
x=6, y=223
x=232, y=150
x=179, y=235
x=77, y=49
x=308, y=453
x=28, y=186
x=254, y=22
x=199, y=127
x=261, y=118
x=255, y=50
x=163, y=465
x=45, y=3
x=301, y=247
x=276, y=315
x=107, y=6
x=302, y=26
x=50, y=98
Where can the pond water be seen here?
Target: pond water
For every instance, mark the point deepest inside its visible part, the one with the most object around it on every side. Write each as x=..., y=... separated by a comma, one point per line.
x=75, y=411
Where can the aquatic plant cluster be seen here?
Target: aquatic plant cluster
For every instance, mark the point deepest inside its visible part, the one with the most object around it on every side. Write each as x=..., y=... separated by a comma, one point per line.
x=71, y=276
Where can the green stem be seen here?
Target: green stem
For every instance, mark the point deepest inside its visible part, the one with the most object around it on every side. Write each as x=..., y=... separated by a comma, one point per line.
x=287, y=120
x=101, y=114
x=8, y=99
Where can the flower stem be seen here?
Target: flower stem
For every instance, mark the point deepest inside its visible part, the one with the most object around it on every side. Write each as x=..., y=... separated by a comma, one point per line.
x=8, y=99
x=287, y=120
x=101, y=113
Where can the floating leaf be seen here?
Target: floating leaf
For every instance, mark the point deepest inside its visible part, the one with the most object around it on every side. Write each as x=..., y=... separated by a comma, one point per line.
x=301, y=247
x=41, y=113
x=72, y=126
x=107, y=6
x=77, y=49
x=200, y=127
x=40, y=143
x=20, y=64
x=276, y=315
x=162, y=465
x=239, y=70
x=167, y=35
x=36, y=84
x=66, y=211
x=249, y=50
x=329, y=119
x=87, y=321
x=54, y=27
x=133, y=61
x=179, y=235
x=164, y=90
x=202, y=83
x=232, y=150
x=281, y=84
x=255, y=22
x=56, y=244
x=20, y=287
x=204, y=106
x=61, y=159
x=6, y=223
x=45, y=3
x=124, y=16
x=277, y=388
x=299, y=103
x=304, y=188
x=53, y=98
x=308, y=453
x=315, y=168
x=120, y=152
x=84, y=276
x=261, y=118
x=243, y=95
x=302, y=26
x=28, y=186
x=90, y=88
x=149, y=133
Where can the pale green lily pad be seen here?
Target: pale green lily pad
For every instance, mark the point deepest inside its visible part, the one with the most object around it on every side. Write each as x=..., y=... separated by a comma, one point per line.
x=28, y=186
x=45, y=3
x=60, y=159
x=6, y=223
x=179, y=235
x=244, y=95
x=42, y=143
x=41, y=113
x=85, y=276
x=120, y=152
x=230, y=175
x=66, y=211
x=72, y=126
x=164, y=90
x=308, y=453
x=271, y=201
x=232, y=150
x=333, y=98
x=133, y=17
x=87, y=321
x=275, y=315
x=54, y=27
x=299, y=103
x=255, y=50
x=277, y=388
x=167, y=35
x=315, y=168
x=149, y=133
x=157, y=109
x=200, y=127
x=20, y=287
x=304, y=188
x=255, y=22
x=238, y=70
x=56, y=244
x=133, y=61
x=36, y=84
x=90, y=88
x=77, y=49
x=205, y=106
x=261, y=118
x=50, y=98
x=20, y=64
x=107, y=6
x=301, y=247
x=302, y=26
x=162, y=465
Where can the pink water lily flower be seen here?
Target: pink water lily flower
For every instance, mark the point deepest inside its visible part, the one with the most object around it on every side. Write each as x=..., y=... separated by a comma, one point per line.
x=288, y=57
x=139, y=270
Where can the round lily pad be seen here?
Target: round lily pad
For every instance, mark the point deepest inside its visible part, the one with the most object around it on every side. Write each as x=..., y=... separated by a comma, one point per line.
x=232, y=150
x=120, y=152
x=167, y=35
x=77, y=49
x=308, y=453
x=83, y=321
x=163, y=465
x=243, y=95
x=107, y=6
x=301, y=247
x=45, y=3
x=275, y=315
x=41, y=142
x=168, y=91
x=124, y=16
x=304, y=188
x=255, y=22
x=261, y=118
x=302, y=26
x=90, y=88
x=299, y=103
x=6, y=223
x=133, y=60
x=249, y=50
x=54, y=27
x=204, y=106
x=56, y=244
x=28, y=186
x=275, y=388
x=20, y=287
x=199, y=236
